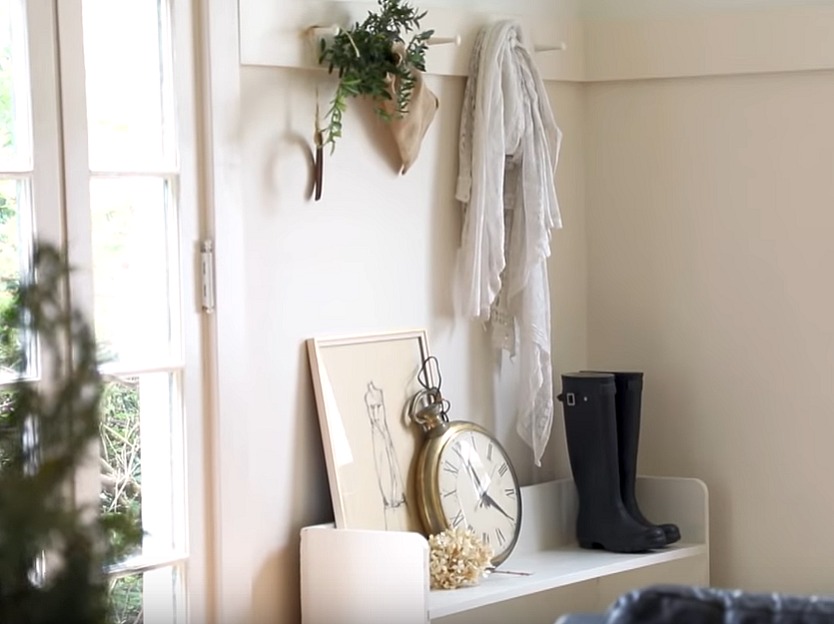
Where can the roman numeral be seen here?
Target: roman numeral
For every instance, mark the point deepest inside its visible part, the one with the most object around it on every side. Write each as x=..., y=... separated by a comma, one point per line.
x=450, y=467
x=485, y=538
x=449, y=493
x=500, y=535
x=503, y=470
x=458, y=519
x=510, y=492
x=489, y=452
x=472, y=438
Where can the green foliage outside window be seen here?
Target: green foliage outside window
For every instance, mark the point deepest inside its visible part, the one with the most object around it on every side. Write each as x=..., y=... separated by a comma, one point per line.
x=126, y=600
x=121, y=492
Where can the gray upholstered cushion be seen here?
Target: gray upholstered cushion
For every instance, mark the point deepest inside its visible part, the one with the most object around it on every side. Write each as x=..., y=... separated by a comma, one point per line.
x=700, y=605
x=583, y=618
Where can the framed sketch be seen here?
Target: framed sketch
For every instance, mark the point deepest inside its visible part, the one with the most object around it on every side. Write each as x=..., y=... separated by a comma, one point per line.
x=363, y=386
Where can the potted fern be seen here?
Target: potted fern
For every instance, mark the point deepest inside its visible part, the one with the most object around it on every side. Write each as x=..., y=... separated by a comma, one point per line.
x=37, y=517
x=382, y=58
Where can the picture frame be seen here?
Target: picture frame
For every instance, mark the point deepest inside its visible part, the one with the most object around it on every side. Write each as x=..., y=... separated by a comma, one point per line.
x=363, y=385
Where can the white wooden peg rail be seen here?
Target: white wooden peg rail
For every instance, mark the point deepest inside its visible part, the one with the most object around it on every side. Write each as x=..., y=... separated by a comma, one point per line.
x=433, y=41
x=569, y=47
x=559, y=47
x=281, y=35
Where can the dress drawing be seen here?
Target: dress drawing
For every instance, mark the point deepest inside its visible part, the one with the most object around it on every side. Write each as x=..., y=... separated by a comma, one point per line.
x=387, y=467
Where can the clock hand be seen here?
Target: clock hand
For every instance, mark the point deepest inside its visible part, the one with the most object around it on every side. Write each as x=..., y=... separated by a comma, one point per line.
x=479, y=487
x=490, y=502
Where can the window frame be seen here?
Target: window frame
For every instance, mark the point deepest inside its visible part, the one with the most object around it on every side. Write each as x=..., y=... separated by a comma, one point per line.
x=220, y=90
x=60, y=178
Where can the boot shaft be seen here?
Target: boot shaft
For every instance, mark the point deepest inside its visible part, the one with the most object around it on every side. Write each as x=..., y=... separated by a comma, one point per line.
x=629, y=387
x=629, y=395
x=588, y=401
x=628, y=401
x=629, y=404
x=586, y=388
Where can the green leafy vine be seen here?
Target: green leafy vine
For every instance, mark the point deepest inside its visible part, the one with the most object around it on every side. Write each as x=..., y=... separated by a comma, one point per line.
x=374, y=59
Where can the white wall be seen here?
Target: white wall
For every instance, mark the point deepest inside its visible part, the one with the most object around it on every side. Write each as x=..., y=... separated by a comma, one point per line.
x=707, y=207
x=375, y=254
x=710, y=226
x=654, y=8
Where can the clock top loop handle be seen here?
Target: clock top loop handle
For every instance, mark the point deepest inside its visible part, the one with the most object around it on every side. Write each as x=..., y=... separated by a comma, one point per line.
x=424, y=376
x=428, y=409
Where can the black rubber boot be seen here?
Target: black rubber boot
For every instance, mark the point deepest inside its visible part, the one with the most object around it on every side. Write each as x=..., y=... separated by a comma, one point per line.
x=591, y=432
x=628, y=402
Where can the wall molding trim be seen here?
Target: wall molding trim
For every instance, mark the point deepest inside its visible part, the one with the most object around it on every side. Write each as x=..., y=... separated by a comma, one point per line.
x=715, y=44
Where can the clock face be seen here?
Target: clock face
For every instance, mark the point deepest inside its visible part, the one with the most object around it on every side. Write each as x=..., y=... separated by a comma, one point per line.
x=478, y=490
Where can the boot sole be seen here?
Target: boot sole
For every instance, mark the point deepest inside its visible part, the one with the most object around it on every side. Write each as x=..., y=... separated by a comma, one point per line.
x=591, y=545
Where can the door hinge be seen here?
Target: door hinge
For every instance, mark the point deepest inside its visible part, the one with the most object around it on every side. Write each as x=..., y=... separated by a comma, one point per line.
x=207, y=275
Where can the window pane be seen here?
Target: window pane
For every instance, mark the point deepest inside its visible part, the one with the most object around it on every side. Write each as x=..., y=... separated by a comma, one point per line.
x=121, y=450
x=10, y=438
x=155, y=597
x=15, y=244
x=125, y=599
x=15, y=127
x=141, y=456
x=127, y=84
x=134, y=273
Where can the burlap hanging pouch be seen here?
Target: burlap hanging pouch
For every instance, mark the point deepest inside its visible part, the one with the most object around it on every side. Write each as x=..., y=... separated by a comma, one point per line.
x=410, y=128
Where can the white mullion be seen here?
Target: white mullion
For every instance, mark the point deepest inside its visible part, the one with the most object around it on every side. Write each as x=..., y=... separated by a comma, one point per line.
x=150, y=172
x=21, y=60
x=178, y=269
x=45, y=171
x=43, y=178
x=76, y=170
x=76, y=152
x=15, y=173
x=33, y=374
x=179, y=449
x=200, y=594
x=122, y=370
x=45, y=182
x=12, y=384
x=146, y=563
x=168, y=56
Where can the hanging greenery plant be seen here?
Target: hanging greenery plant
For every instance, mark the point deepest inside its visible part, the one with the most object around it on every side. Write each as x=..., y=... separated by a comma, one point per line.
x=377, y=58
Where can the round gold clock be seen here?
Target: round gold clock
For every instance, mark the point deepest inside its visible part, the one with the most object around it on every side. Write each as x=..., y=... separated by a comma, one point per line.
x=464, y=479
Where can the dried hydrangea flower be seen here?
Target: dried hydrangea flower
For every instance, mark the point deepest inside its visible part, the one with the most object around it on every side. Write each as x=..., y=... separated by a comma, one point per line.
x=457, y=557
